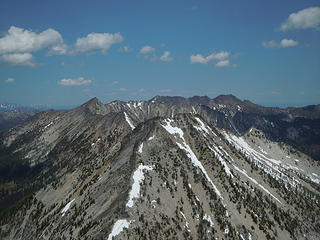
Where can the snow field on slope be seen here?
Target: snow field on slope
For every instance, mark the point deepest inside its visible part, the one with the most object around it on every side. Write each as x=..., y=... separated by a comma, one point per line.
x=140, y=148
x=128, y=121
x=190, y=153
x=138, y=177
x=118, y=228
x=270, y=166
x=66, y=208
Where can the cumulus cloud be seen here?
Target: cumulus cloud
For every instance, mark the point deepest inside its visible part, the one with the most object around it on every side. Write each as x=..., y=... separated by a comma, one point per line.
x=165, y=57
x=97, y=41
x=60, y=49
x=284, y=43
x=146, y=49
x=74, y=81
x=20, y=59
x=306, y=18
x=18, y=40
x=222, y=63
x=199, y=58
x=16, y=46
x=288, y=43
x=9, y=80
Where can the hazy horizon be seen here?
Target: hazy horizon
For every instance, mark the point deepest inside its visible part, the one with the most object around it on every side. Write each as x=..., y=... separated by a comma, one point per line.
x=62, y=107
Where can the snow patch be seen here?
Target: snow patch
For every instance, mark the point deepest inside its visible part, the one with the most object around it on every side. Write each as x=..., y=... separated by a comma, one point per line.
x=190, y=153
x=315, y=178
x=198, y=164
x=47, y=125
x=202, y=126
x=208, y=219
x=221, y=160
x=151, y=138
x=138, y=177
x=118, y=228
x=153, y=203
x=172, y=130
x=140, y=148
x=128, y=121
x=262, y=150
x=275, y=168
x=66, y=208
x=255, y=182
x=186, y=226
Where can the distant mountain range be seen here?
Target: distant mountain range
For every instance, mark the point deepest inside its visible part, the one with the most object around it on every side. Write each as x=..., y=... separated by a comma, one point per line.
x=167, y=168
x=12, y=114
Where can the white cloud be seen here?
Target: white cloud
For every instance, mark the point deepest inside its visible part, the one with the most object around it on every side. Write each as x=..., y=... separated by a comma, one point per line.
x=146, y=50
x=17, y=45
x=18, y=40
x=21, y=59
x=270, y=43
x=97, y=41
x=9, y=80
x=125, y=49
x=165, y=57
x=223, y=63
x=284, y=43
x=115, y=83
x=306, y=18
x=74, y=81
x=60, y=49
x=219, y=56
x=198, y=59
x=213, y=56
x=288, y=43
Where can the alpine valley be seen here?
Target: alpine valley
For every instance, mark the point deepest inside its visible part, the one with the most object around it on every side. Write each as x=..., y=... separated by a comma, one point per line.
x=167, y=168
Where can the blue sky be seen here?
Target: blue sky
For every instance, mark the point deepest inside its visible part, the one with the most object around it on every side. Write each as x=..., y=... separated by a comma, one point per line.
x=65, y=52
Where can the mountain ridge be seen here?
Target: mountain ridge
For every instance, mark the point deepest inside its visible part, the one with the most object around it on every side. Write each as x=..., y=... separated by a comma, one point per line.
x=154, y=170
x=280, y=124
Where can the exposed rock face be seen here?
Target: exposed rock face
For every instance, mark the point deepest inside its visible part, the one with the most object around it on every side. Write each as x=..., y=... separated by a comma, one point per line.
x=169, y=168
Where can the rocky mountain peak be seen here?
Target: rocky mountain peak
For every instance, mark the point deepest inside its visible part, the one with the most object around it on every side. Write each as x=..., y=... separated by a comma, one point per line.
x=94, y=106
x=228, y=99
